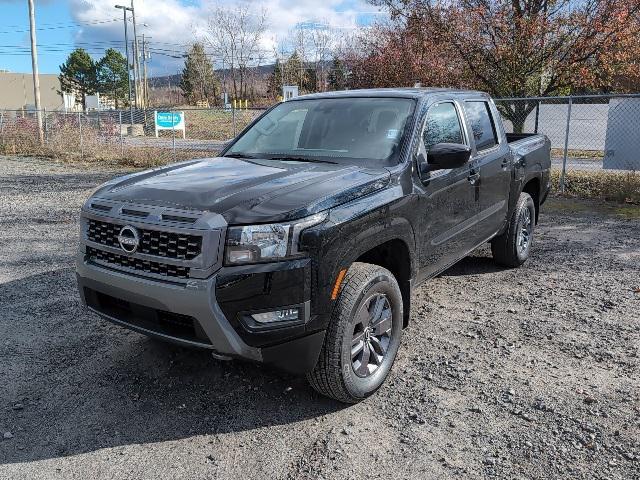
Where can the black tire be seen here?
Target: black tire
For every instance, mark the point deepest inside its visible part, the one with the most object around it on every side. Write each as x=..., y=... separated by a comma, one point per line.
x=508, y=249
x=365, y=287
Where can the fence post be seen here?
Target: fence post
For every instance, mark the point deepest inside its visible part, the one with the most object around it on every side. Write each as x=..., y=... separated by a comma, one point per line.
x=44, y=110
x=233, y=113
x=173, y=133
x=80, y=128
x=566, y=146
x=121, y=136
x=535, y=130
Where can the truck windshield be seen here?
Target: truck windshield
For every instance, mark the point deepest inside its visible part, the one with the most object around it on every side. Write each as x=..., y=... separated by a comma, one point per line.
x=361, y=130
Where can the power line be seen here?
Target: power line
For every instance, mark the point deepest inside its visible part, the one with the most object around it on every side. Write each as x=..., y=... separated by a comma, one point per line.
x=73, y=25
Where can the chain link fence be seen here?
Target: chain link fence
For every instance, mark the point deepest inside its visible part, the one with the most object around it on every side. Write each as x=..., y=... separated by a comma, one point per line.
x=589, y=134
x=123, y=136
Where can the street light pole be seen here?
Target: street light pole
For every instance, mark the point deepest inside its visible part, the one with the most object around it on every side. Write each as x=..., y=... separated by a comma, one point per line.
x=126, y=49
x=34, y=67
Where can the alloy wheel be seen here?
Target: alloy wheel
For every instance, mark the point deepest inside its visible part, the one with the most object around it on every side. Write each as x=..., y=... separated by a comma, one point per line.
x=371, y=335
x=524, y=232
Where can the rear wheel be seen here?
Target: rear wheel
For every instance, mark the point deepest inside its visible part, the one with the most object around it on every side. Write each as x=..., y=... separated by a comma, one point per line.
x=363, y=335
x=513, y=247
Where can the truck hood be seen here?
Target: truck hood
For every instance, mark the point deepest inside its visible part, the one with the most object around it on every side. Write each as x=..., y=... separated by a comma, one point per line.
x=247, y=191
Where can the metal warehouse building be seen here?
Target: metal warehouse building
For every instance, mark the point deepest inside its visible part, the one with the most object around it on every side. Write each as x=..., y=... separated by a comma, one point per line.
x=16, y=91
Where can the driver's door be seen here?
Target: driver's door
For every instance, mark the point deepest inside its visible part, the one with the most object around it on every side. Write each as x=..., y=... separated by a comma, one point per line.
x=449, y=200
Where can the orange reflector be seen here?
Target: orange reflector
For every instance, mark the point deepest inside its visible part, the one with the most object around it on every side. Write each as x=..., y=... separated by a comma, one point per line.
x=336, y=287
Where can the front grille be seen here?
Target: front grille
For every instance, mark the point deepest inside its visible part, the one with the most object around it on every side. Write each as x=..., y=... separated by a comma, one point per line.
x=138, y=264
x=179, y=246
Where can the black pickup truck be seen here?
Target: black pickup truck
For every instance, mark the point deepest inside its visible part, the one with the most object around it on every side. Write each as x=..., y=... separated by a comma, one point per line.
x=300, y=244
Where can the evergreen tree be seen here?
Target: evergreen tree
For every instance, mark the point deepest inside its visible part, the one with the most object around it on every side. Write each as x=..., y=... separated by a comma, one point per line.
x=338, y=76
x=112, y=76
x=78, y=74
x=274, y=84
x=294, y=71
x=199, y=81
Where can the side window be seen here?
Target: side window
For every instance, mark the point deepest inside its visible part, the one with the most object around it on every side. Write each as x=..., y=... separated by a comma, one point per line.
x=482, y=125
x=442, y=126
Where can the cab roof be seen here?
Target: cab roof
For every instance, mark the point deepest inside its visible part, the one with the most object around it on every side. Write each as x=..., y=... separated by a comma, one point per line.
x=404, y=92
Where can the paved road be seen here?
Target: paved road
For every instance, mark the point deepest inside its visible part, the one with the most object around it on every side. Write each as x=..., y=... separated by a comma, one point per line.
x=180, y=143
x=580, y=164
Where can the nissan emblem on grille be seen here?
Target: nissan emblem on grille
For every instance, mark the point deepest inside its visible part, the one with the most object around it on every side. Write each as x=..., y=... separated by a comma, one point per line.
x=128, y=239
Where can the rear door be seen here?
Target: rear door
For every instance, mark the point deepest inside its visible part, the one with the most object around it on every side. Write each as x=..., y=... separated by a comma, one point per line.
x=448, y=198
x=493, y=158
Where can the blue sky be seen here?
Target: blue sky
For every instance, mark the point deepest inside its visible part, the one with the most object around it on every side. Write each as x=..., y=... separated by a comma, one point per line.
x=170, y=24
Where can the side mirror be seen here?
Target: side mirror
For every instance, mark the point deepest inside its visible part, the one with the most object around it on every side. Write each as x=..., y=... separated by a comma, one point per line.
x=443, y=156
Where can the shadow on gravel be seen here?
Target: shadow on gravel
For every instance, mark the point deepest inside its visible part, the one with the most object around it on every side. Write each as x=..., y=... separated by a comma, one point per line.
x=73, y=383
x=472, y=266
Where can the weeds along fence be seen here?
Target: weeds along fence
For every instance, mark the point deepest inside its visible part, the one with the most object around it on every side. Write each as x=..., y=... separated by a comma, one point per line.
x=122, y=136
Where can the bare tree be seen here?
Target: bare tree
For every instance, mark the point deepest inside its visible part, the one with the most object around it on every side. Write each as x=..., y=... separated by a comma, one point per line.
x=235, y=35
x=323, y=41
x=307, y=49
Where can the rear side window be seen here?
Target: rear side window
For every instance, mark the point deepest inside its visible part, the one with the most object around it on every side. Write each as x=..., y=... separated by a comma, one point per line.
x=442, y=126
x=482, y=125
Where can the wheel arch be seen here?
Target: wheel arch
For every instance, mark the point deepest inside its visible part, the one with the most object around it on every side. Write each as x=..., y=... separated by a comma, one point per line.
x=533, y=188
x=395, y=255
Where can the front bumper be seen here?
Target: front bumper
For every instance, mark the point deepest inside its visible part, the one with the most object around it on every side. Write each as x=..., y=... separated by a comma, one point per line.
x=188, y=313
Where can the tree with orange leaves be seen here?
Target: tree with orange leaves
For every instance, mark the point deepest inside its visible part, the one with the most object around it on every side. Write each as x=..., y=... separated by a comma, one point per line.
x=510, y=48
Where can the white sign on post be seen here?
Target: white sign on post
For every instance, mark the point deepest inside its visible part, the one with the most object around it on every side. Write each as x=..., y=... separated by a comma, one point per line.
x=289, y=92
x=170, y=121
x=69, y=100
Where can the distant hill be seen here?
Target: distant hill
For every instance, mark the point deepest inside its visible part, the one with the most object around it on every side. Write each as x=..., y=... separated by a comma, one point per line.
x=174, y=80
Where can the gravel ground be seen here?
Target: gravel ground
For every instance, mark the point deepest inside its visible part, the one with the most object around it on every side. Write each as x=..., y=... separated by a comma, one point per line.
x=528, y=373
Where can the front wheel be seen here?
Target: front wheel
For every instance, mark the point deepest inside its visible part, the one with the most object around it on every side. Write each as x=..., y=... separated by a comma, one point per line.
x=363, y=335
x=512, y=248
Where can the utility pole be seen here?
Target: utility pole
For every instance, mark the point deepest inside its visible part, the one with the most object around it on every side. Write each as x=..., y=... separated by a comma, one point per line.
x=34, y=67
x=126, y=47
x=145, y=93
x=136, y=56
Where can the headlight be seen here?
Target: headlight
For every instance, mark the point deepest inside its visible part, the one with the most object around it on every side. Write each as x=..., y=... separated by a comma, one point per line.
x=263, y=243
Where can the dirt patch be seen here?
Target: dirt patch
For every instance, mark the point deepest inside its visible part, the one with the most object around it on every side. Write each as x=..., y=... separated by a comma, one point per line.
x=527, y=373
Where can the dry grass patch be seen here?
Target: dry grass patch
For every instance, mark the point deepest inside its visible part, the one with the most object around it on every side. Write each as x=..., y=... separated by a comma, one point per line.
x=622, y=187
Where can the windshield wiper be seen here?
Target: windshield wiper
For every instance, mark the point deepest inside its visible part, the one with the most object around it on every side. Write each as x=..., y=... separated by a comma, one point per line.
x=298, y=159
x=238, y=155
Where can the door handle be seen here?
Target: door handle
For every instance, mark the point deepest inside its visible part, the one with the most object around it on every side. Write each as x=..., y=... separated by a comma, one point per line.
x=474, y=177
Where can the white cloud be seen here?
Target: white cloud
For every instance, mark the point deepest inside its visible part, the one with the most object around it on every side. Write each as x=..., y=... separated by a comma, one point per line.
x=172, y=24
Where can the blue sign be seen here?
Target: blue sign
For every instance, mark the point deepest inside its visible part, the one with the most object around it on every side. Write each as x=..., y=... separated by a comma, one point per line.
x=169, y=119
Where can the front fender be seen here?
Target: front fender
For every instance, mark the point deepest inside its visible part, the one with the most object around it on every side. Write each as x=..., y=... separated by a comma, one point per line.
x=353, y=229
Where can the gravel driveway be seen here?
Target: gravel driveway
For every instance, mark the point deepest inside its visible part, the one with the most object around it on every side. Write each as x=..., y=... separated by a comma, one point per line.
x=528, y=373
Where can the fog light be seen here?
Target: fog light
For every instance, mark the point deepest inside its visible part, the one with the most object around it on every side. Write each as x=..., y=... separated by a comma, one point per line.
x=288, y=315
